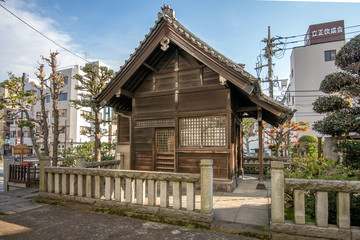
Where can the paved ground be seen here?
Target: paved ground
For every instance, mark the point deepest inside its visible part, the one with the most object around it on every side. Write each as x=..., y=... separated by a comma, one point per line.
x=243, y=211
x=41, y=221
x=246, y=204
x=1, y=175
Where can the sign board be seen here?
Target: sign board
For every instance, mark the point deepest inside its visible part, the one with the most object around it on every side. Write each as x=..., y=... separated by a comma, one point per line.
x=325, y=32
x=21, y=150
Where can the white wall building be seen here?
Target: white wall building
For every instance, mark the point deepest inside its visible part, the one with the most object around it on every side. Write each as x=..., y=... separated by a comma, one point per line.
x=309, y=65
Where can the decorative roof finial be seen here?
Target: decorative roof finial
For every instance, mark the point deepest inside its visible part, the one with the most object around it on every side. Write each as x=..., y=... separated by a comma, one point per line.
x=166, y=10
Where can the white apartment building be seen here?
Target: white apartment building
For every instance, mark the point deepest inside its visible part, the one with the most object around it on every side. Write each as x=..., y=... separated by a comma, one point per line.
x=309, y=65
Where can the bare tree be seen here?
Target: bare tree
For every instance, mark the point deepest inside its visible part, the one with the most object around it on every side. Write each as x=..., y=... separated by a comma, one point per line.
x=56, y=84
x=43, y=121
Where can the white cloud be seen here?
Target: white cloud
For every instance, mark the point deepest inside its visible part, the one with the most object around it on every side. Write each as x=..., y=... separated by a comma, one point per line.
x=21, y=46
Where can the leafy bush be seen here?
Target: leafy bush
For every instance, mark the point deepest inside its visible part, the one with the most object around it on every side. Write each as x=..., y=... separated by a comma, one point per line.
x=311, y=168
x=351, y=151
x=311, y=145
x=87, y=149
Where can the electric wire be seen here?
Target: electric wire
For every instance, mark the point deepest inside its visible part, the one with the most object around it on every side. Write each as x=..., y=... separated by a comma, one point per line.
x=302, y=35
x=51, y=40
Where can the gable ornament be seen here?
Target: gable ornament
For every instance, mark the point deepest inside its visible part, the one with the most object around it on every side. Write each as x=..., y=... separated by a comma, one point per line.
x=164, y=43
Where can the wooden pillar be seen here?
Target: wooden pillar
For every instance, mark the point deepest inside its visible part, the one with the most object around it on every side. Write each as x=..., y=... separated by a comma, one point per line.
x=241, y=149
x=319, y=147
x=261, y=184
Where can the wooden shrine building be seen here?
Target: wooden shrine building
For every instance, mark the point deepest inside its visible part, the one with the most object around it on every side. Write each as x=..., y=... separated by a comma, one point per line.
x=180, y=101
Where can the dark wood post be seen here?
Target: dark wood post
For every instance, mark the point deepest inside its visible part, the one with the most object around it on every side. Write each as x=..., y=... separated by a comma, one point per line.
x=241, y=150
x=28, y=175
x=319, y=147
x=261, y=184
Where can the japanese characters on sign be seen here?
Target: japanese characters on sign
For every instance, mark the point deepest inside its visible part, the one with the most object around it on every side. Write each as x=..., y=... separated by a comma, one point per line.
x=325, y=32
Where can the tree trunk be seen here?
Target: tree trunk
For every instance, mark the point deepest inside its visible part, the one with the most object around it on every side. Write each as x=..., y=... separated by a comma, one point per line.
x=247, y=144
x=45, y=128
x=97, y=136
x=277, y=150
x=56, y=131
x=32, y=136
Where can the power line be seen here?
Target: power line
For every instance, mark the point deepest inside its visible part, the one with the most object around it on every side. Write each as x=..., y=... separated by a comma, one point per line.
x=323, y=37
x=57, y=44
x=303, y=35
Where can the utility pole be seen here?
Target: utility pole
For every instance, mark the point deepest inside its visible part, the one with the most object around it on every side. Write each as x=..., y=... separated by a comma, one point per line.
x=269, y=53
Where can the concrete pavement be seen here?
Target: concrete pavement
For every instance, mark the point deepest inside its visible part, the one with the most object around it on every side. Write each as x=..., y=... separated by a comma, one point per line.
x=57, y=222
x=245, y=211
x=246, y=205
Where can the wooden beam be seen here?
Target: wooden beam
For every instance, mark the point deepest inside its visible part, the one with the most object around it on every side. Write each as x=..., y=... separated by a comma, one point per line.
x=149, y=67
x=247, y=109
x=124, y=93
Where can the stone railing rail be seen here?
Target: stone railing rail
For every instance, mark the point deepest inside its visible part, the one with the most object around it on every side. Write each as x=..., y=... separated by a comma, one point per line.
x=131, y=190
x=299, y=227
x=251, y=163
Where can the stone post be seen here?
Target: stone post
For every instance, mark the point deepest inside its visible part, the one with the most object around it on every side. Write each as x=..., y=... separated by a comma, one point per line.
x=343, y=210
x=206, y=186
x=120, y=157
x=277, y=192
x=7, y=163
x=44, y=162
x=80, y=161
x=321, y=208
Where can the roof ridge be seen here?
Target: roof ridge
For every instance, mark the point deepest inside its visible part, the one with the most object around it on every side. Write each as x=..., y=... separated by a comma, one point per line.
x=168, y=14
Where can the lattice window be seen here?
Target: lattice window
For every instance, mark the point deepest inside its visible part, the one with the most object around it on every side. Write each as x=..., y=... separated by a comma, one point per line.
x=155, y=123
x=214, y=131
x=165, y=140
x=205, y=131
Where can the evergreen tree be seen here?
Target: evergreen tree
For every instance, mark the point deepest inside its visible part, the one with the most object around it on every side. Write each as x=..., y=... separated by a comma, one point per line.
x=90, y=85
x=343, y=102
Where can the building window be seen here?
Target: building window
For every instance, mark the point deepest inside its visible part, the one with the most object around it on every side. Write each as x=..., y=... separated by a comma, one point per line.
x=62, y=96
x=84, y=130
x=330, y=55
x=66, y=80
x=62, y=113
x=62, y=129
x=203, y=131
x=85, y=114
x=47, y=98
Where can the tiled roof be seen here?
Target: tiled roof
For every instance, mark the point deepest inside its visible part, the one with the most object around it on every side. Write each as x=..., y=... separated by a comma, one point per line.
x=168, y=15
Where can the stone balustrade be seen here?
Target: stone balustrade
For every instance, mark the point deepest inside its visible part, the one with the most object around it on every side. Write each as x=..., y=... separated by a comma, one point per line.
x=160, y=193
x=299, y=227
x=251, y=163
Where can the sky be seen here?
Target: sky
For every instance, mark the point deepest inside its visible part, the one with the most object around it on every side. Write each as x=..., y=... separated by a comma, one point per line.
x=110, y=30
